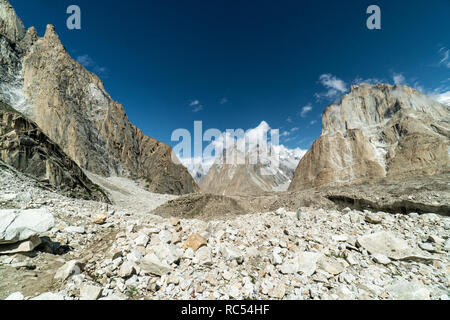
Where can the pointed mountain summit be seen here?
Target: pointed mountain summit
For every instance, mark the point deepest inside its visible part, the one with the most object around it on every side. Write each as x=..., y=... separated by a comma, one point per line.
x=256, y=170
x=377, y=131
x=10, y=24
x=71, y=106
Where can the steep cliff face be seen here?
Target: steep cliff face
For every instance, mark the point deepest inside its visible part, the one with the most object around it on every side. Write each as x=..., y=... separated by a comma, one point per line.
x=10, y=24
x=375, y=132
x=72, y=107
x=26, y=148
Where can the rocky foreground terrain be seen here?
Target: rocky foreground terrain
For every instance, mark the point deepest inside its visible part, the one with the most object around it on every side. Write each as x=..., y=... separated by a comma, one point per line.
x=91, y=250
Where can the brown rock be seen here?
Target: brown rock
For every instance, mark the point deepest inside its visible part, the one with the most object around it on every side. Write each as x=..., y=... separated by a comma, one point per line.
x=195, y=241
x=72, y=107
x=26, y=148
x=376, y=132
x=100, y=219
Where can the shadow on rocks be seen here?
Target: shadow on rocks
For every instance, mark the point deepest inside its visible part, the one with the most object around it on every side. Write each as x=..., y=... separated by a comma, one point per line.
x=52, y=247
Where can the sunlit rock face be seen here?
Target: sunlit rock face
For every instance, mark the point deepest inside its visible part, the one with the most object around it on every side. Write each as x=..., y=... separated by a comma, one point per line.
x=71, y=106
x=377, y=131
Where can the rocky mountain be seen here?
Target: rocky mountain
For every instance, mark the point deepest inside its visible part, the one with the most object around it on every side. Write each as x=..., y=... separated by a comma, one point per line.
x=377, y=131
x=26, y=148
x=71, y=106
x=229, y=176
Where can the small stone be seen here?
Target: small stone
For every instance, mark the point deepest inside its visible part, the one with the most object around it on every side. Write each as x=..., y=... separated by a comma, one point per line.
x=173, y=279
x=278, y=292
x=152, y=264
x=165, y=236
x=69, y=269
x=100, y=219
x=290, y=267
x=373, y=218
x=88, y=292
x=168, y=253
x=16, y=296
x=174, y=221
x=427, y=247
x=232, y=253
x=340, y=238
x=48, y=296
x=447, y=245
x=414, y=215
x=203, y=256
x=126, y=269
x=299, y=214
x=234, y=292
x=176, y=238
x=20, y=247
x=195, y=241
x=408, y=290
x=307, y=262
x=275, y=258
x=331, y=266
x=141, y=240
x=381, y=258
x=79, y=230
x=227, y=275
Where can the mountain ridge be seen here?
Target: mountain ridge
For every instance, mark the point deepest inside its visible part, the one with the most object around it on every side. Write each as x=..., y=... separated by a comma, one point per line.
x=377, y=131
x=72, y=107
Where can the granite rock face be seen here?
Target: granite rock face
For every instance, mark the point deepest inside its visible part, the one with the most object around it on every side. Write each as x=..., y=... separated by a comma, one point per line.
x=10, y=24
x=377, y=132
x=72, y=108
x=26, y=148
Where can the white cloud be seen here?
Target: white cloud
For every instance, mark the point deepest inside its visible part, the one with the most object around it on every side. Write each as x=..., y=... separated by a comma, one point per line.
x=196, y=106
x=443, y=98
x=372, y=81
x=313, y=122
x=289, y=120
x=85, y=60
x=399, y=79
x=223, y=101
x=336, y=87
x=305, y=110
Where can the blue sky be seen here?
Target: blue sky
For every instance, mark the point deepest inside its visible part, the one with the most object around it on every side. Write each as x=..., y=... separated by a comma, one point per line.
x=233, y=64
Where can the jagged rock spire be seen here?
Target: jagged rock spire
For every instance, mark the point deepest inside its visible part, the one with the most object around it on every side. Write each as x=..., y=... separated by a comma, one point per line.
x=10, y=24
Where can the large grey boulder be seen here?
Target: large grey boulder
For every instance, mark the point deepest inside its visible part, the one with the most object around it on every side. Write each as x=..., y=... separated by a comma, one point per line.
x=387, y=244
x=21, y=225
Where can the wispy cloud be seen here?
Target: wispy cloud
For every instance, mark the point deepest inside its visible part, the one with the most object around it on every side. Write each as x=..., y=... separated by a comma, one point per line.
x=335, y=87
x=399, y=79
x=89, y=63
x=224, y=100
x=305, y=110
x=443, y=97
x=372, y=81
x=196, y=106
x=445, y=57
